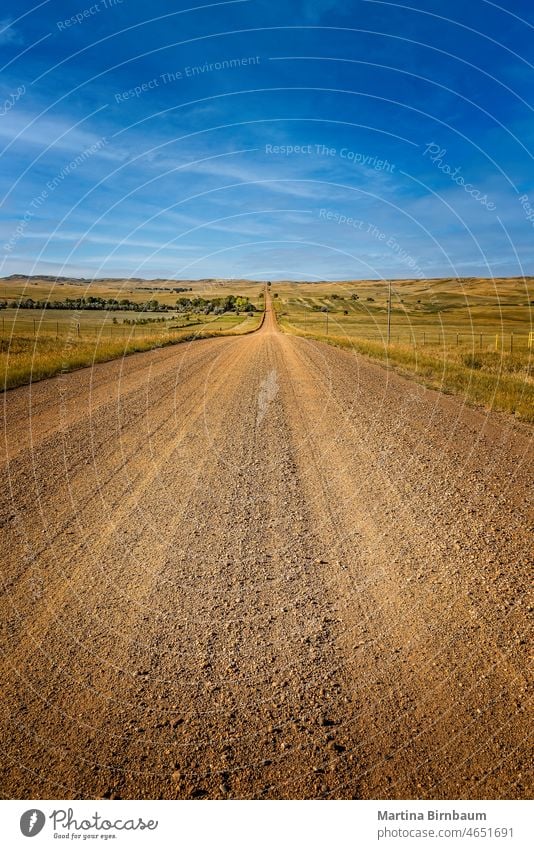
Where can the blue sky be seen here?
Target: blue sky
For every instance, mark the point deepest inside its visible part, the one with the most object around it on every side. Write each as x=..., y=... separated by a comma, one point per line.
x=267, y=139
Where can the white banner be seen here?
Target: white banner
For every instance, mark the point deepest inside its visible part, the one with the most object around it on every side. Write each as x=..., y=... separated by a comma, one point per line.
x=268, y=824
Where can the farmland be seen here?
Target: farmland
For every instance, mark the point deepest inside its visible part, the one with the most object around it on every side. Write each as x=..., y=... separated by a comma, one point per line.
x=38, y=343
x=471, y=337
x=166, y=291
x=423, y=311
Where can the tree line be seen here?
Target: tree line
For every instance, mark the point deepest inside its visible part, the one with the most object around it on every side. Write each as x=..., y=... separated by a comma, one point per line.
x=230, y=303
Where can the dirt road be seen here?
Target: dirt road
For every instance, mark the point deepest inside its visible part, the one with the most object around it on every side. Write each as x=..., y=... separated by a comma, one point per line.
x=261, y=567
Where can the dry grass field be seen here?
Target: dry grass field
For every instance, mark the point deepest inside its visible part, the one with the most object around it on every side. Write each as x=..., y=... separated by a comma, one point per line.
x=40, y=288
x=37, y=343
x=470, y=337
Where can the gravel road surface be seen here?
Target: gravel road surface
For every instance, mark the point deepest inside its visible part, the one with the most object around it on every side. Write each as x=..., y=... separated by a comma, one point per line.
x=262, y=567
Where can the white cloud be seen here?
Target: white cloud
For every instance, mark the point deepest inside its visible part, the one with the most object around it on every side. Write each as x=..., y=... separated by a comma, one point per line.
x=23, y=128
x=7, y=34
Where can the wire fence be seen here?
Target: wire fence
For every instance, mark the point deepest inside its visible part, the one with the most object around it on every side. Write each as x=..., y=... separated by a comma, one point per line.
x=101, y=325
x=483, y=339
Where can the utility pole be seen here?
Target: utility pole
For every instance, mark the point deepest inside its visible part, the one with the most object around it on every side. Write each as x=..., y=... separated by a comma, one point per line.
x=389, y=313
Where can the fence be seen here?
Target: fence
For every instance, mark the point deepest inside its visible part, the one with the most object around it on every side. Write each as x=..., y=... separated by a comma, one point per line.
x=486, y=338
x=93, y=324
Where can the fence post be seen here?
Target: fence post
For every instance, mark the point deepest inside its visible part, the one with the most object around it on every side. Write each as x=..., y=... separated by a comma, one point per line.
x=511, y=343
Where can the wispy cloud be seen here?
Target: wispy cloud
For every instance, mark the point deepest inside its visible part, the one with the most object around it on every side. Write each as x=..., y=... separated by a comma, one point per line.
x=9, y=35
x=21, y=127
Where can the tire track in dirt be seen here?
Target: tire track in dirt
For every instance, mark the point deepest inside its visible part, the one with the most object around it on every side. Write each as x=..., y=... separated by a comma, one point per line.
x=448, y=660
x=74, y=477
x=119, y=554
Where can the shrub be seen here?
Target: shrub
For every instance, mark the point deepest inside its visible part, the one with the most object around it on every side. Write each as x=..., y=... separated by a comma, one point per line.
x=471, y=361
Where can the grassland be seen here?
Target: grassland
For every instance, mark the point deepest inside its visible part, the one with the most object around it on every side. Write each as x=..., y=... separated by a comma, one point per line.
x=35, y=344
x=40, y=288
x=468, y=337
